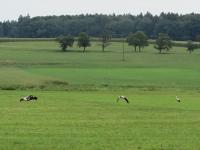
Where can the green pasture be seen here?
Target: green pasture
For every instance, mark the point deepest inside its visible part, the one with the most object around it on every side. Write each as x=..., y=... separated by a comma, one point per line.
x=42, y=65
x=23, y=54
x=77, y=108
x=94, y=121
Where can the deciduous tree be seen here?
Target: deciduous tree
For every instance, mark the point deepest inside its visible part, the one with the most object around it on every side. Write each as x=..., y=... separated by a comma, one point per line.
x=191, y=46
x=83, y=40
x=65, y=42
x=163, y=42
x=141, y=39
x=105, y=40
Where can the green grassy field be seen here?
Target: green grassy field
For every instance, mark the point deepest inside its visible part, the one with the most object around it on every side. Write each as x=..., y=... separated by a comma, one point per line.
x=94, y=121
x=77, y=92
x=41, y=65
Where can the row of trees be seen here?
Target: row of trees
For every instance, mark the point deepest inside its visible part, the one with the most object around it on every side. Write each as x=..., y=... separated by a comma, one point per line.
x=83, y=41
x=137, y=40
x=178, y=27
x=68, y=41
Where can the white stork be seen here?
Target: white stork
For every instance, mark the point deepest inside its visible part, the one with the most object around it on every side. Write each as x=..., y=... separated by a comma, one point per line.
x=122, y=98
x=178, y=99
x=28, y=98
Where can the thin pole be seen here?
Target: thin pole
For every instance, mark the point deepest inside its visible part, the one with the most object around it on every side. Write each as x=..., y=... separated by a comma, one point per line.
x=123, y=59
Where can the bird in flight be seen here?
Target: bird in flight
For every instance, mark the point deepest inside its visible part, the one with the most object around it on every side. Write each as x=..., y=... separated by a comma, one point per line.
x=122, y=98
x=178, y=99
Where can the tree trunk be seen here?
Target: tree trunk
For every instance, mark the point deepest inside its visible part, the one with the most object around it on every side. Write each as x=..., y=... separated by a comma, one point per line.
x=139, y=49
x=135, y=48
x=84, y=49
x=64, y=48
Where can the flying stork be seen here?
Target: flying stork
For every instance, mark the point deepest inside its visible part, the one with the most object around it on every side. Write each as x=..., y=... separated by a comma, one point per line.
x=178, y=99
x=122, y=98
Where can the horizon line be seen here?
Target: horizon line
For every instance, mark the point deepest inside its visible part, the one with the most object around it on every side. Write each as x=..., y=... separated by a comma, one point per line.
x=106, y=14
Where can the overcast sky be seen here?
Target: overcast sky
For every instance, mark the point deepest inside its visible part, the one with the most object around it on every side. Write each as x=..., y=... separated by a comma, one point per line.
x=11, y=9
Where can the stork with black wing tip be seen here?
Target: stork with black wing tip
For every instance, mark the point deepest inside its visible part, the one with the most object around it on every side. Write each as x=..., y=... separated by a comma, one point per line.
x=122, y=98
x=178, y=99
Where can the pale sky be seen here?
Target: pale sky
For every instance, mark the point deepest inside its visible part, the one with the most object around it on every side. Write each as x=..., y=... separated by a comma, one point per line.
x=11, y=9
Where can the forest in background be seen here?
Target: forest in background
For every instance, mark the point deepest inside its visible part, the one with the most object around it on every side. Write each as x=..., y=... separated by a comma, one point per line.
x=178, y=27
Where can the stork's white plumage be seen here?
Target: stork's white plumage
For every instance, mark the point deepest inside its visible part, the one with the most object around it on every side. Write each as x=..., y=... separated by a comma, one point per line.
x=122, y=98
x=28, y=98
x=178, y=99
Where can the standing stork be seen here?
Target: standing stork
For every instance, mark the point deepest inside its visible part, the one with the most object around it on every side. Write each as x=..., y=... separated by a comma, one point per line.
x=178, y=99
x=122, y=98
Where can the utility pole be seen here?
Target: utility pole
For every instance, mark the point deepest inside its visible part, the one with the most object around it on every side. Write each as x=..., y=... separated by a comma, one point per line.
x=123, y=59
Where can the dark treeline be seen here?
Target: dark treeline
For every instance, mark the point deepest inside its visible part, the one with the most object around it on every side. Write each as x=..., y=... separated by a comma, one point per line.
x=178, y=27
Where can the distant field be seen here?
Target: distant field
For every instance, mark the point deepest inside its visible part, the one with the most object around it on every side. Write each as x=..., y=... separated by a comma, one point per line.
x=175, y=43
x=42, y=65
x=94, y=121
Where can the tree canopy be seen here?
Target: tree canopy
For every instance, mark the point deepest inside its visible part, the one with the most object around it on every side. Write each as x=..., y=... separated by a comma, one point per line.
x=132, y=41
x=65, y=41
x=163, y=42
x=191, y=46
x=105, y=40
x=141, y=39
x=83, y=40
x=138, y=39
x=178, y=27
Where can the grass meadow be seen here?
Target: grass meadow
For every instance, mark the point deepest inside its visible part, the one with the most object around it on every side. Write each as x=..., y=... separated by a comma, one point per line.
x=93, y=120
x=77, y=92
x=42, y=65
